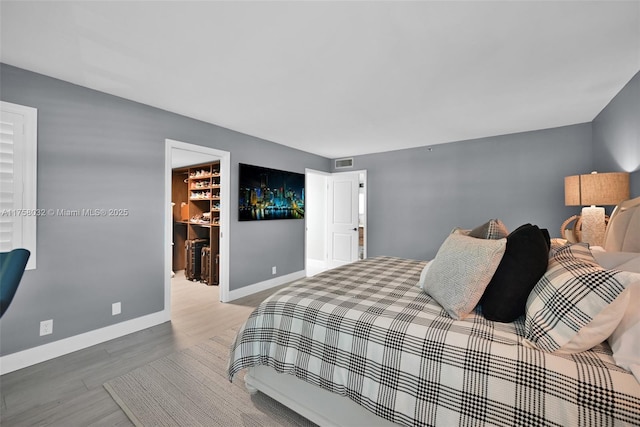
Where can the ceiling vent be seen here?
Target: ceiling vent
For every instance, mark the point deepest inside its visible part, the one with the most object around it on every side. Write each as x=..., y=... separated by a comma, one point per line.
x=344, y=163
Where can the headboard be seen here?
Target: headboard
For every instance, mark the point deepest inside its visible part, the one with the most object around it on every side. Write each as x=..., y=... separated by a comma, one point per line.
x=623, y=230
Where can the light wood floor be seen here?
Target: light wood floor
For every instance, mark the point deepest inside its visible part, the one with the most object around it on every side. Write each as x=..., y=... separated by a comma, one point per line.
x=67, y=391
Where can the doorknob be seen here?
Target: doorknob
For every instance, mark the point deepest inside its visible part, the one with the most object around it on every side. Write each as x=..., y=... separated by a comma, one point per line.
x=355, y=229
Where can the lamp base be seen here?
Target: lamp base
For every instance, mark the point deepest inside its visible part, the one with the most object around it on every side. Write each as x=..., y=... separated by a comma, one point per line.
x=593, y=225
x=574, y=235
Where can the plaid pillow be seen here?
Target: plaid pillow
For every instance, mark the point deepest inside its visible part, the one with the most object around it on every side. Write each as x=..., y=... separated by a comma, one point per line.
x=493, y=229
x=572, y=292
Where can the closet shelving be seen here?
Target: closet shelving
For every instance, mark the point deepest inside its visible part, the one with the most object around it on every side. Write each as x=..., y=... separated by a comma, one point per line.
x=196, y=211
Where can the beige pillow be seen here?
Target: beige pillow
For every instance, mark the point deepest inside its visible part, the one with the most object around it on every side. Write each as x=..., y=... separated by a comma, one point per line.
x=461, y=271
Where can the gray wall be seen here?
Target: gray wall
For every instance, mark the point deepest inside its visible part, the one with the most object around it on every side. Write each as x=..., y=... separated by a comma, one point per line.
x=100, y=151
x=96, y=150
x=616, y=135
x=416, y=196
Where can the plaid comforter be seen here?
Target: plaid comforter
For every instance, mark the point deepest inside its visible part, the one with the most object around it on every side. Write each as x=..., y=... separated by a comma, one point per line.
x=366, y=331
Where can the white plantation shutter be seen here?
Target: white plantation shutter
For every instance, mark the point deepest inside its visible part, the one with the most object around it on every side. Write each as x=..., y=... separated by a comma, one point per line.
x=11, y=136
x=18, y=215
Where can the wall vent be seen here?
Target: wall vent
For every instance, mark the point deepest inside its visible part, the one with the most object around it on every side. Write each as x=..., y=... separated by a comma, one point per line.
x=344, y=163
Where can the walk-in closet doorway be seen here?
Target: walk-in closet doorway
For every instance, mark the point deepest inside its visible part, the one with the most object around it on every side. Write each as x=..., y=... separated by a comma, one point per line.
x=181, y=154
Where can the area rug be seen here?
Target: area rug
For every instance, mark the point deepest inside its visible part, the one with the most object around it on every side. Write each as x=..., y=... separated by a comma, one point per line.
x=190, y=388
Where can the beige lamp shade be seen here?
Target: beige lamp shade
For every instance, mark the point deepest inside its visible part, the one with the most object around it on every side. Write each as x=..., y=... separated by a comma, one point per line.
x=604, y=189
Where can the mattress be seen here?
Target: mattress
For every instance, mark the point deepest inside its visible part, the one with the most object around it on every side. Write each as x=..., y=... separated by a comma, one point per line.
x=367, y=332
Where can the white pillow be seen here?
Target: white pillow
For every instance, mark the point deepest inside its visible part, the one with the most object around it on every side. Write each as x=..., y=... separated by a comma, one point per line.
x=599, y=329
x=625, y=261
x=460, y=272
x=625, y=339
x=617, y=316
x=570, y=296
x=423, y=275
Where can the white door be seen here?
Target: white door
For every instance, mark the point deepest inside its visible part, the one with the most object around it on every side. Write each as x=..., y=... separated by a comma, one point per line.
x=343, y=218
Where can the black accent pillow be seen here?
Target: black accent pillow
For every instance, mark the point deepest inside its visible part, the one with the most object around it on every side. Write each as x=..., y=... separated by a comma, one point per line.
x=524, y=262
x=547, y=238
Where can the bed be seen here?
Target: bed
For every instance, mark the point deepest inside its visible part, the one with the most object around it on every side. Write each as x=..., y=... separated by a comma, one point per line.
x=364, y=344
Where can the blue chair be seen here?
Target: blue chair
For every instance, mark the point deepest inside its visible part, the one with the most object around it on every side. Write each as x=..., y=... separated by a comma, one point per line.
x=12, y=265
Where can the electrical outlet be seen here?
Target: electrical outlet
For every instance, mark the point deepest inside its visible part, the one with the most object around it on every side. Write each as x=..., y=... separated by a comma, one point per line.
x=116, y=308
x=273, y=270
x=46, y=327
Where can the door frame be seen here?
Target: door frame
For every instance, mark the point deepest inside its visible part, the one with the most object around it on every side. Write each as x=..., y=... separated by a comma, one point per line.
x=225, y=217
x=365, y=195
x=325, y=175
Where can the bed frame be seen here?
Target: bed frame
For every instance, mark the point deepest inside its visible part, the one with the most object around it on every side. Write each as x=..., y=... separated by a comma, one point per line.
x=623, y=232
x=315, y=404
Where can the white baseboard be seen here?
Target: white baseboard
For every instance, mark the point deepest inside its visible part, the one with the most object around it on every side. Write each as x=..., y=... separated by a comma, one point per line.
x=22, y=359
x=267, y=284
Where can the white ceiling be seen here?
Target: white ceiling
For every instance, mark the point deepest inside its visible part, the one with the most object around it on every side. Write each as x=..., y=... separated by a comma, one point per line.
x=340, y=78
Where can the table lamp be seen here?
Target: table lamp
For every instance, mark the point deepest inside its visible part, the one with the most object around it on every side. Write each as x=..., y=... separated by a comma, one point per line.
x=593, y=189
